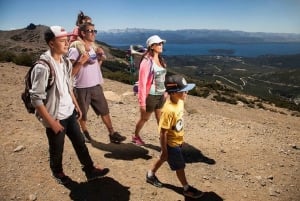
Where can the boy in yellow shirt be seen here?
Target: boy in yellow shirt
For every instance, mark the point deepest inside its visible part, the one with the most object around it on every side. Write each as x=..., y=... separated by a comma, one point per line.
x=171, y=135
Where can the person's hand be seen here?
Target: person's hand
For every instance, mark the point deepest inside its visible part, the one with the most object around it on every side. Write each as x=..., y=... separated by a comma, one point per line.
x=78, y=113
x=83, y=58
x=57, y=127
x=100, y=54
x=142, y=109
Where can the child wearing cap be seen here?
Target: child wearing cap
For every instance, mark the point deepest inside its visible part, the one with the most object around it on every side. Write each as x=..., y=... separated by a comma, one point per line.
x=171, y=131
x=57, y=108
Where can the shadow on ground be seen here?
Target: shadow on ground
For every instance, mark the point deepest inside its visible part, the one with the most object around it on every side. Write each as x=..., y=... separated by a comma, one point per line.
x=123, y=151
x=129, y=151
x=105, y=188
x=208, y=196
x=194, y=155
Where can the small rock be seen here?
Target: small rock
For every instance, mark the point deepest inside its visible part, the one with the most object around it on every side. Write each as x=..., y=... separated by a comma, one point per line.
x=222, y=151
x=272, y=192
x=32, y=197
x=19, y=148
x=258, y=177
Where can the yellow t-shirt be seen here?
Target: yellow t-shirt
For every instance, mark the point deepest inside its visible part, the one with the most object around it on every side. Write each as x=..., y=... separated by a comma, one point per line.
x=172, y=120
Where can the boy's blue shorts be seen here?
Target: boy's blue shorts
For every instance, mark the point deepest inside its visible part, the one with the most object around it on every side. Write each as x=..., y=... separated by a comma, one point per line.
x=175, y=158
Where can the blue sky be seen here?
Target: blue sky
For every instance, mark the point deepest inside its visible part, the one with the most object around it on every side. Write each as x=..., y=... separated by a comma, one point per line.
x=278, y=16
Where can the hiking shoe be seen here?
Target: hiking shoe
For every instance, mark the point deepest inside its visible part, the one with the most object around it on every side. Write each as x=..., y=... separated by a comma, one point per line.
x=87, y=137
x=116, y=137
x=154, y=181
x=96, y=173
x=138, y=141
x=193, y=192
x=61, y=178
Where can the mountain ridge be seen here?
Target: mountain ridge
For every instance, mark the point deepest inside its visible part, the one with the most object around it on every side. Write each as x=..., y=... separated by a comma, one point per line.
x=134, y=35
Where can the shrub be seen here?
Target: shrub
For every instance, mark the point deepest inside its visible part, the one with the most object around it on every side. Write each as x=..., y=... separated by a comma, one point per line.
x=7, y=56
x=114, y=65
x=118, y=53
x=224, y=99
x=118, y=76
x=24, y=59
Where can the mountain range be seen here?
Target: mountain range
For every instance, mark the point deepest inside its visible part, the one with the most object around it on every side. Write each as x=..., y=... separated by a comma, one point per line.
x=186, y=36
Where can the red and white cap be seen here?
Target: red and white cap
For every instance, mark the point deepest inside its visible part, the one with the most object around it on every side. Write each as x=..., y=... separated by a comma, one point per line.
x=55, y=32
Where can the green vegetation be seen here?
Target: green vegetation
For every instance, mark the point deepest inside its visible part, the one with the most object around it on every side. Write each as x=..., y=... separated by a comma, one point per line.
x=218, y=79
x=25, y=59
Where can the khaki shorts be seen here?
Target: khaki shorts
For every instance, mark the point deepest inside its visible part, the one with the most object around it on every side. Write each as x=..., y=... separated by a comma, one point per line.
x=93, y=96
x=154, y=102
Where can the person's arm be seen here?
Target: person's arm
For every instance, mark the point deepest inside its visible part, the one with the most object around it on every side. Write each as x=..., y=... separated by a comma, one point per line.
x=39, y=80
x=54, y=124
x=74, y=35
x=100, y=55
x=77, y=60
x=144, y=71
x=163, y=144
x=77, y=108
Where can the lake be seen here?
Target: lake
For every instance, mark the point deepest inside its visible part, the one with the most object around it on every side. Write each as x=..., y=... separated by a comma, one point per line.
x=243, y=50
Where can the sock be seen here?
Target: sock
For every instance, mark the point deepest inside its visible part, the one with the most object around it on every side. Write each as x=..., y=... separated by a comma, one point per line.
x=150, y=173
x=185, y=187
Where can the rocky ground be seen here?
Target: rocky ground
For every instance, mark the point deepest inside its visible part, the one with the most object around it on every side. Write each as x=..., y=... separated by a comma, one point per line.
x=256, y=153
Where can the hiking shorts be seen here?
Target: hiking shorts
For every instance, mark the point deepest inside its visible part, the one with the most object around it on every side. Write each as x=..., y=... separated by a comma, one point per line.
x=154, y=102
x=93, y=96
x=175, y=158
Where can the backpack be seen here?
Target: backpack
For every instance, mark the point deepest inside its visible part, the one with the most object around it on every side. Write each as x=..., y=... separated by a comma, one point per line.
x=25, y=94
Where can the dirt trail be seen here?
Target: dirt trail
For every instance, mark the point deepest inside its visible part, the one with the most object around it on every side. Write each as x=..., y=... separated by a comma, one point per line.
x=256, y=152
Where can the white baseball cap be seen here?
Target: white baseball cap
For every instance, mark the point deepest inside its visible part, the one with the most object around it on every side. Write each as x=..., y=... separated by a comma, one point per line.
x=55, y=32
x=154, y=39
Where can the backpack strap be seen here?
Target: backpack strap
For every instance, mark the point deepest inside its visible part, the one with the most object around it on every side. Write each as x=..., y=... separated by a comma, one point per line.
x=151, y=71
x=52, y=72
x=67, y=62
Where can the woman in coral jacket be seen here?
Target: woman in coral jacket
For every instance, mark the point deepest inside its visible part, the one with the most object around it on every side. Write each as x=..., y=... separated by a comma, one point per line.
x=151, y=88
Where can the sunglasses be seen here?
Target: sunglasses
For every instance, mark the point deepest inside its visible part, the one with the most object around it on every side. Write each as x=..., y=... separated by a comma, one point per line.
x=158, y=44
x=91, y=31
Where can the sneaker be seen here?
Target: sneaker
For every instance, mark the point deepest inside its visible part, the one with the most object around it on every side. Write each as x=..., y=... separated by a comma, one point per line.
x=193, y=192
x=87, y=137
x=96, y=173
x=154, y=181
x=61, y=178
x=138, y=141
x=116, y=137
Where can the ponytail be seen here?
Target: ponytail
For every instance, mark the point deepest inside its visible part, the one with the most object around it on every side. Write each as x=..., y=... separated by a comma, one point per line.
x=80, y=17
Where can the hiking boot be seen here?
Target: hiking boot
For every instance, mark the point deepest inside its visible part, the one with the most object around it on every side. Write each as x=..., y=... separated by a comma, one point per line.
x=96, y=173
x=61, y=178
x=116, y=137
x=154, y=181
x=87, y=137
x=138, y=141
x=193, y=192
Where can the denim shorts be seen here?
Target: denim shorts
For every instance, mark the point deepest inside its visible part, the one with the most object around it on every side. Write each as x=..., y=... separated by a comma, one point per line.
x=175, y=158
